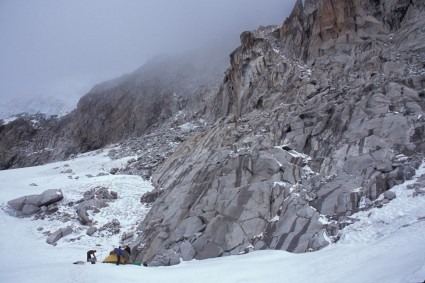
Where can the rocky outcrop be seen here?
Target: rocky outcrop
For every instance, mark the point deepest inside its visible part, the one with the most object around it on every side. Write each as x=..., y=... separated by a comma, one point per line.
x=47, y=206
x=314, y=121
x=28, y=205
x=153, y=148
x=323, y=27
x=94, y=199
x=150, y=197
x=33, y=140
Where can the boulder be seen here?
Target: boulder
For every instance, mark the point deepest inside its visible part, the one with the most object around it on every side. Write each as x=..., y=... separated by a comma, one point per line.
x=51, y=208
x=150, y=197
x=29, y=209
x=90, y=231
x=187, y=251
x=389, y=195
x=319, y=241
x=32, y=204
x=83, y=216
x=112, y=226
x=114, y=194
x=59, y=234
x=419, y=192
x=18, y=203
x=50, y=196
x=103, y=193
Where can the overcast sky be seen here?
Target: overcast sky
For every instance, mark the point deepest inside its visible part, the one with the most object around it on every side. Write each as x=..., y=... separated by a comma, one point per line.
x=64, y=47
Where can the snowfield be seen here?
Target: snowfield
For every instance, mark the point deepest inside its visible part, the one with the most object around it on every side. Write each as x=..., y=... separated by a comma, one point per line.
x=384, y=245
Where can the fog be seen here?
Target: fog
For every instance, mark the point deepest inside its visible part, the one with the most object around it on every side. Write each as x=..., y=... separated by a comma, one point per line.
x=62, y=48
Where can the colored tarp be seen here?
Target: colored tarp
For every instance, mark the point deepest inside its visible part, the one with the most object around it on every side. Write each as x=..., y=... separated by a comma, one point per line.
x=112, y=258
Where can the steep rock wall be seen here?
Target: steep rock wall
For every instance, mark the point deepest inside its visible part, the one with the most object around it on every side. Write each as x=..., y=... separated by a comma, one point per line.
x=302, y=138
x=323, y=27
x=34, y=140
x=155, y=93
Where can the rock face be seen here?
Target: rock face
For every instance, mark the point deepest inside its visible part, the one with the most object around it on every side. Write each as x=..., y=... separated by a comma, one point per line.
x=314, y=121
x=324, y=27
x=167, y=89
x=170, y=90
x=33, y=140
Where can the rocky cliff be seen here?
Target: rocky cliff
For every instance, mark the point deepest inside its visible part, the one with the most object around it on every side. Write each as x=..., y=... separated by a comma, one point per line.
x=32, y=140
x=165, y=93
x=163, y=89
x=313, y=122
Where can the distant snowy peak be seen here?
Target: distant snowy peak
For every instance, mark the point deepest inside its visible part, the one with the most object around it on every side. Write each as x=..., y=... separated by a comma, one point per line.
x=47, y=105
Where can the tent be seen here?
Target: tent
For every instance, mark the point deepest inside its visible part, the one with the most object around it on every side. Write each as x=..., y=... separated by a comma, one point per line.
x=112, y=258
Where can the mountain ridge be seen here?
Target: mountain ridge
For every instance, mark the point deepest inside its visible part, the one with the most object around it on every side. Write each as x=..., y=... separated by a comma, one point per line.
x=166, y=90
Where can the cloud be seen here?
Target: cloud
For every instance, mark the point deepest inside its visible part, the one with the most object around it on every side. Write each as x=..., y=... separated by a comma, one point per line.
x=48, y=42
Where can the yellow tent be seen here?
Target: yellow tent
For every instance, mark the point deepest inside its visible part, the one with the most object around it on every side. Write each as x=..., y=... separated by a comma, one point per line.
x=112, y=258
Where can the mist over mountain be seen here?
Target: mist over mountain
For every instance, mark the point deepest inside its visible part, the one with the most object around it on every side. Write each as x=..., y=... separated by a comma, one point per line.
x=47, y=105
x=62, y=48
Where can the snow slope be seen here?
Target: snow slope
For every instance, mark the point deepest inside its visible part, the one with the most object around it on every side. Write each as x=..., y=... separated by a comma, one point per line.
x=384, y=245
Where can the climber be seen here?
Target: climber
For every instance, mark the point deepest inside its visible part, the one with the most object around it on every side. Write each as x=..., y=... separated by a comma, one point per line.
x=126, y=253
x=118, y=251
x=91, y=257
x=127, y=249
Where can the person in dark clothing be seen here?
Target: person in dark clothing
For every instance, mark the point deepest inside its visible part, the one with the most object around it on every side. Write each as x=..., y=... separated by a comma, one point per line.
x=128, y=250
x=118, y=251
x=126, y=254
x=91, y=257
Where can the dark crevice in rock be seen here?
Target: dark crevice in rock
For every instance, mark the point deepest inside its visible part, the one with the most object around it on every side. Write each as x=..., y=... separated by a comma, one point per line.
x=295, y=240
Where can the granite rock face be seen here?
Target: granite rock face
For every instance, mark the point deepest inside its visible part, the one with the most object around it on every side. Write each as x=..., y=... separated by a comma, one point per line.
x=313, y=122
x=324, y=27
